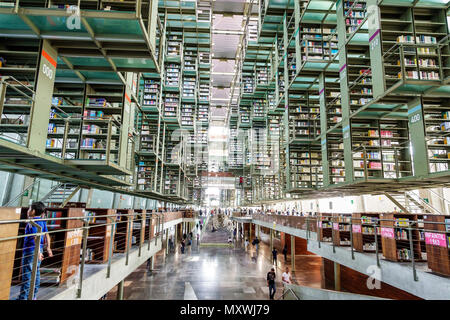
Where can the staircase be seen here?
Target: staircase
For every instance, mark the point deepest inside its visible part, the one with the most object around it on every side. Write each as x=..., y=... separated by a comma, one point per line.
x=60, y=193
x=410, y=202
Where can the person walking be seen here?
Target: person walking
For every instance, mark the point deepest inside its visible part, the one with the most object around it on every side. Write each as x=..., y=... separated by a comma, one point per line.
x=286, y=278
x=35, y=212
x=170, y=245
x=246, y=244
x=285, y=250
x=256, y=243
x=274, y=256
x=198, y=238
x=271, y=283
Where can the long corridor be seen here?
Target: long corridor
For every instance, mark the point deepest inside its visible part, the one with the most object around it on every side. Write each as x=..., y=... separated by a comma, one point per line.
x=215, y=273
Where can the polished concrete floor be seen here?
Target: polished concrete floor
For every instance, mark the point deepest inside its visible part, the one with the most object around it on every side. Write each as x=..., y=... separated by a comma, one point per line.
x=215, y=273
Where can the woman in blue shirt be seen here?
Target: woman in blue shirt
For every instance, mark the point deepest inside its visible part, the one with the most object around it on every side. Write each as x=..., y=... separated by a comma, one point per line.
x=35, y=212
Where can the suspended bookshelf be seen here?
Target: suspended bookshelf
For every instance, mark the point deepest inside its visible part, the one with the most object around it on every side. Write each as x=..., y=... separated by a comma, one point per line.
x=190, y=61
x=262, y=75
x=333, y=103
x=150, y=94
x=419, y=29
x=381, y=148
x=20, y=62
x=189, y=87
x=437, y=132
x=305, y=167
x=67, y=102
x=171, y=181
x=317, y=42
x=359, y=75
x=335, y=149
x=187, y=114
x=146, y=174
x=354, y=13
x=258, y=109
x=304, y=116
x=171, y=104
x=172, y=76
x=247, y=85
x=101, y=123
x=174, y=46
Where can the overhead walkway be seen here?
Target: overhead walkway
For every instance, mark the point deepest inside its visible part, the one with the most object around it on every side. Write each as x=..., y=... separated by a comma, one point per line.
x=416, y=280
x=93, y=281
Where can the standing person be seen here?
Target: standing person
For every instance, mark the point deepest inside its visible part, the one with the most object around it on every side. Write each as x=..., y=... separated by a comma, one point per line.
x=35, y=212
x=274, y=255
x=246, y=244
x=189, y=242
x=201, y=228
x=191, y=235
x=285, y=250
x=198, y=238
x=286, y=277
x=183, y=243
x=170, y=245
x=271, y=283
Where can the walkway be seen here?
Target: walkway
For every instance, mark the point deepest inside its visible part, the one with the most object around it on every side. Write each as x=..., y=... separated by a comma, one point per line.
x=214, y=273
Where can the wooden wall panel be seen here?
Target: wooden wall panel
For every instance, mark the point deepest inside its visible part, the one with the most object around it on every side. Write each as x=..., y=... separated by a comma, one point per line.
x=7, y=249
x=355, y=282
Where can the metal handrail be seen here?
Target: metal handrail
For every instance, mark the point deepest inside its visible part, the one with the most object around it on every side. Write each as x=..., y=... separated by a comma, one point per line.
x=438, y=195
x=287, y=291
x=422, y=201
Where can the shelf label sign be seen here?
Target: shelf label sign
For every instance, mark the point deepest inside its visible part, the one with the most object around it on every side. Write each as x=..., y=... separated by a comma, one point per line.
x=108, y=231
x=435, y=239
x=74, y=237
x=320, y=224
x=336, y=226
x=346, y=131
x=387, y=233
x=414, y=114
x=356, y=228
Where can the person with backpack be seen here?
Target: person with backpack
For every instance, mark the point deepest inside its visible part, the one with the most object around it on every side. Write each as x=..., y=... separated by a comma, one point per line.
x=271, y=283
x=285, y=250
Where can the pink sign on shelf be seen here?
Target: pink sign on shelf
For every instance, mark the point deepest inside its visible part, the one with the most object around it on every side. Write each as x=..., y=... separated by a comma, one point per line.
x=320, y=224
x=387, y=233
x=356, y=228
x=336, y=226
x=435, y=239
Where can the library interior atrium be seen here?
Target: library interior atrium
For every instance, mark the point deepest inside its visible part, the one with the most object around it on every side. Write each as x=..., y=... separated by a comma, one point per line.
x=181, y=149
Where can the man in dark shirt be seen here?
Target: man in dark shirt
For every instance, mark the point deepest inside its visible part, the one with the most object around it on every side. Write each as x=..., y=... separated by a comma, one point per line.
x=274, y=255
x=35, y=212
x=285, y=251
x=271, y=283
